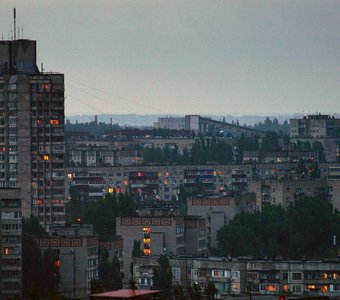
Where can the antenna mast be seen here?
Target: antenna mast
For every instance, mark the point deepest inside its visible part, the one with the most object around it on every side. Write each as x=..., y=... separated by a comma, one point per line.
x=15, y=23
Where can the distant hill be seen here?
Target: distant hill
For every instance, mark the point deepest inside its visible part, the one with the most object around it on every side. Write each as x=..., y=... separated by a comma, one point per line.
x=148, y=120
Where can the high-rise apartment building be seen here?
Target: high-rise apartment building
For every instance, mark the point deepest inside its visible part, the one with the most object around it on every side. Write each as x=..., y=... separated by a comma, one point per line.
x=32, y=132
x=10, y=246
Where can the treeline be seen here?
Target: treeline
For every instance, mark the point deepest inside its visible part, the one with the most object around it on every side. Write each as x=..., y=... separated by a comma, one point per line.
x=273, y=125
x=101, y=213
x=204, y=151
x=305, y=229
x=96, y=129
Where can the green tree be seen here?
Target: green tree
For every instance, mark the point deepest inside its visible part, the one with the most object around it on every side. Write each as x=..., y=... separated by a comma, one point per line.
x=96, y=286
x=195, y=292
x=305, y=228
x=117, y=282
x=178, y=292
x=162, y=278
x=105, y=270
x=301, y=167
x=136, y=251
x=210, y=290
x=40, y=272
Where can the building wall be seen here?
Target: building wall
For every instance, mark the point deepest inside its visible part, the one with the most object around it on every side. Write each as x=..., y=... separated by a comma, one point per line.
x=78, y=257
x=164, y=229
x=285, y=191
x=11, y=245
x=32, y=133
x=242, y=277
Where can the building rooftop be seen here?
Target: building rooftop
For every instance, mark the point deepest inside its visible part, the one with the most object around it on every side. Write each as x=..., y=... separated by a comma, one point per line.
x=125, y=294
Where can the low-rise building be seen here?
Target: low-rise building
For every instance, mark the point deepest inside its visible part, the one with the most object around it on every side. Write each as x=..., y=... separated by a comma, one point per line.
x=246, y=276
x=285, y=191
x=77, y=249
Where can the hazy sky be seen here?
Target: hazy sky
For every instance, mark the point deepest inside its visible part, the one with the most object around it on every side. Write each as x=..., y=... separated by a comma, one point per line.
x=187, y=56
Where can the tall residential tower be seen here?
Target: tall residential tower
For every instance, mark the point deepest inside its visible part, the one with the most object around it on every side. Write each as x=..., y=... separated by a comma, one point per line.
x=32, y=143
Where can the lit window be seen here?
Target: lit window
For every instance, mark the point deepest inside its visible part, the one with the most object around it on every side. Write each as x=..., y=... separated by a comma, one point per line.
x=54, y=122
x=46, y=157
x=69, y=175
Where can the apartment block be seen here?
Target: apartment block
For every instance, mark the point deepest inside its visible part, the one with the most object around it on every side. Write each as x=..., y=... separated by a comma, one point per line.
x=246, y=277
x=77, y=249
x=11, y=245
x=285, y=191
x=32, y=132
x=217, y=209
x=315, y=126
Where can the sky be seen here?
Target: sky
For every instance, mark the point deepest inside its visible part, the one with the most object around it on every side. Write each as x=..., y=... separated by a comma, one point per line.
x=182, y=57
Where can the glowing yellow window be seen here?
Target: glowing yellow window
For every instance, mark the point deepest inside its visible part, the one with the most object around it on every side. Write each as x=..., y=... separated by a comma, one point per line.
x=147, y=252
x=46, y=157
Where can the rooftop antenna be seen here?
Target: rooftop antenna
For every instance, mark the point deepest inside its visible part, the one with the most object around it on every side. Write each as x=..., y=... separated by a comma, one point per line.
x=15, y=22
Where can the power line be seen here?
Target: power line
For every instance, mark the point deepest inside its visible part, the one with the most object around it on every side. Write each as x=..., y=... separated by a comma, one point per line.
x=96, y=109
x=117, y=96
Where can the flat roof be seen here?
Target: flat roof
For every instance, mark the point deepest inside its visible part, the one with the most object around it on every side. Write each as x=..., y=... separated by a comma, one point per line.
x=125, y=294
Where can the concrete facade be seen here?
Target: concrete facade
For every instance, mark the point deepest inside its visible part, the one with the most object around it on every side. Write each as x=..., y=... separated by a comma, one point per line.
x=242, y=277
x=285, y=191
x=32, y=132
x=77, y=249
x=11, y=245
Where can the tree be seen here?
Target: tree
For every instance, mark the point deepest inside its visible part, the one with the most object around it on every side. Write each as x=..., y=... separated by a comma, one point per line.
x=96, y=286
x=195, y=292
x=118, y=276
x=178, y=292
x=136, y=251
x=305, y=228
x=40, y=271
x=105, y=270
x=210, y=290
x=162, y=278
x=300, y=167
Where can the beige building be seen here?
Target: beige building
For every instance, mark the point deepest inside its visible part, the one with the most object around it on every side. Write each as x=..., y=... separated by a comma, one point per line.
x=216, y=209
x=285, y=191
x=172, y=123
x=11, y=246
x=77, y=250
x=172, y=235
x=314, y=126
x=157, y=235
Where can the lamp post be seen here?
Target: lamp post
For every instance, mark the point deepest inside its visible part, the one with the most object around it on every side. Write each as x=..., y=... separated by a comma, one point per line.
x=249, y=289
x=74, y=272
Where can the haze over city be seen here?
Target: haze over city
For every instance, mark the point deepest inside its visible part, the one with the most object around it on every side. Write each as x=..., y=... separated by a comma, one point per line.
x=186, y=57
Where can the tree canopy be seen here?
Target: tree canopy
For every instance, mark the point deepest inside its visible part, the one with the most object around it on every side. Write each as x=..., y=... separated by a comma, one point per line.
x=305, y=228
x=162, y=278
x=101, y=213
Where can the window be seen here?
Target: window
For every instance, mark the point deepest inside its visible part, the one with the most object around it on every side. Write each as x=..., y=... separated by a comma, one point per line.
x=297, y=276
